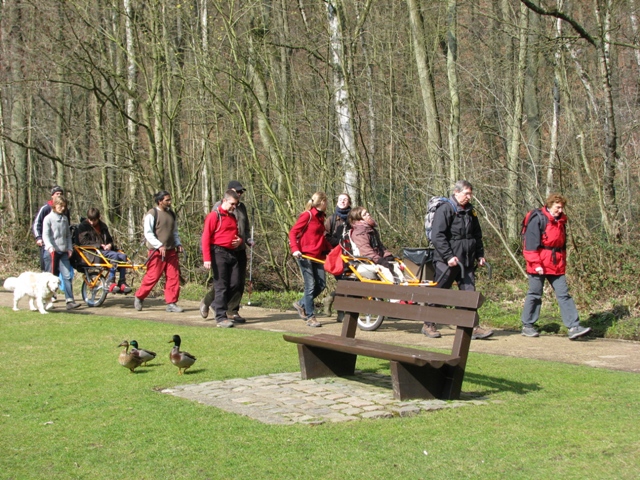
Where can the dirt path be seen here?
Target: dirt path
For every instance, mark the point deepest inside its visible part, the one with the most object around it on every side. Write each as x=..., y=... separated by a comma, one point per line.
x=600, y=353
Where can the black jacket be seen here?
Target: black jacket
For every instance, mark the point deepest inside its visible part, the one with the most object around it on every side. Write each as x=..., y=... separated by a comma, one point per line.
x=457, y=233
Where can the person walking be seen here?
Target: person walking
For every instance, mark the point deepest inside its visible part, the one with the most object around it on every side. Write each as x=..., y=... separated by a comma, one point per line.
x=244, y=230
x=334, y=226
x=307, y=237
x=545, y=240
x=163, y=242
x=56, y=237
x=220, y=242
x=45, y=210
x=457, y=240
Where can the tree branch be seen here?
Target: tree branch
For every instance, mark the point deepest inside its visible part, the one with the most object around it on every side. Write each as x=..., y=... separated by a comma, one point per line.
x=554, y=12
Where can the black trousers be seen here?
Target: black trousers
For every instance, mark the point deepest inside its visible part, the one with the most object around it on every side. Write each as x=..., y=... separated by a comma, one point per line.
x=226, y=280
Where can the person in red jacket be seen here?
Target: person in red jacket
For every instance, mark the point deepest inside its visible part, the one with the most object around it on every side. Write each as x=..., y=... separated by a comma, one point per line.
x=544, y=250
x=307, y=237
x=219, y=242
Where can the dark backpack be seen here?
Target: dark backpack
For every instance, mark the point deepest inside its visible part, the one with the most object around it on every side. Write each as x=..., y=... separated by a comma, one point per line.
x=527, y=219
x=432, y=206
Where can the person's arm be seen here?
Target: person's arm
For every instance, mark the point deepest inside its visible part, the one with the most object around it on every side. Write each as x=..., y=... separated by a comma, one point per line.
x=297, y=230
x=532, y=244
x=361, y=238
x=38, y=223
x=442, y=220
x=47, y=237
x=210, y=223
x=176, y=236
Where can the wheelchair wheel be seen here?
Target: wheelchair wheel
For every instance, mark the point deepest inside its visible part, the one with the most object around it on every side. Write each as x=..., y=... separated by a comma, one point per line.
x=94, y=289
x=370, y=321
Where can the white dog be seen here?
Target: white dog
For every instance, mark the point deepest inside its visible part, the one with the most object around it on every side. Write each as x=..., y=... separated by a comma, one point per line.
x=38, y=286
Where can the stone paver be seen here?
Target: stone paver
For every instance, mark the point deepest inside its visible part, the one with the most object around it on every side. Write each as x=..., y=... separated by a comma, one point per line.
x=286, y=399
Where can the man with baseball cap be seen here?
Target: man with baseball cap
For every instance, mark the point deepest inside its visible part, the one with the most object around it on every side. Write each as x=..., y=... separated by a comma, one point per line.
x=244, y=229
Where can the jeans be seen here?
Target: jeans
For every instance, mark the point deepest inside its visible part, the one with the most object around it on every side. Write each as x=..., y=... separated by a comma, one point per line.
x=58, y=264
x=533, y=300
x=314, y=283
x=117, y=257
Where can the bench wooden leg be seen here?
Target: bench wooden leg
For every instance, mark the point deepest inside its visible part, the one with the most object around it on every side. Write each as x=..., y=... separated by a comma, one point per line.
x=319, y=362
x=410, y=381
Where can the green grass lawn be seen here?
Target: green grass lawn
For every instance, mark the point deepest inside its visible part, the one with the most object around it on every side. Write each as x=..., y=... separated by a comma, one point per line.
x=69, y=410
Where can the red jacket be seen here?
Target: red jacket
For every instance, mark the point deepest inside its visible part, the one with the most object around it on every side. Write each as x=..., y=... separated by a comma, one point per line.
x=308, y=235
x=546, y=249
x=220, y=228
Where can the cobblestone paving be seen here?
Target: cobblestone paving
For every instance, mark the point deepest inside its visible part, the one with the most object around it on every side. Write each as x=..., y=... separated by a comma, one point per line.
x=285, y=399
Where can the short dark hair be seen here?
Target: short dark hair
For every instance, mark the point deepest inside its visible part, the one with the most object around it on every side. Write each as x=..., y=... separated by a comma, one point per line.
x=231, y=193
x=93, y=213
x=158, y=197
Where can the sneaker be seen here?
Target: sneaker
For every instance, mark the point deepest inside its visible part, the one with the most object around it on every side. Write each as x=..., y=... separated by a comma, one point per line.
x=124, y=288
x=137, y=304
x=204, y=309
x=172, y=307
x=238, y=319
x=430, y=330
x=480, y=333
x=113, y=288
x=313, y=322
x=224, y=323
x=529, y=331
x=300, y=309
x=575, y=332
x=340, y=317
x=71, y=305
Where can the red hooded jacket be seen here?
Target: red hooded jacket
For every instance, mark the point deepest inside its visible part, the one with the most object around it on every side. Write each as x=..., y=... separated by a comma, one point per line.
x=308, y=235
x=546, y=249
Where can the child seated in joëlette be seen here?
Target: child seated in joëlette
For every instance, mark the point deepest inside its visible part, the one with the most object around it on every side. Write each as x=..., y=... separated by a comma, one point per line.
x=95, y=233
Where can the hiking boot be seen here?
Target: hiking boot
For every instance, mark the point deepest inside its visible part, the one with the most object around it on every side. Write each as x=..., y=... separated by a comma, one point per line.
x=224, y=323
x=172, y=307
x=113, y=288
x=137, y=304
x=529, y=331
x=578, y=331
x=430, y=330
x=124, y=288
x=238, y=319
x=300, y=309
x=313, y=322
x=340, y=317
x=71, y=305
x=204, y=309
x=480, y=333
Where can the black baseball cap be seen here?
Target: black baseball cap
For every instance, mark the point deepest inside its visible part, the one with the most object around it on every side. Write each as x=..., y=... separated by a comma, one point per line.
x=236, y=185
x=56, y=189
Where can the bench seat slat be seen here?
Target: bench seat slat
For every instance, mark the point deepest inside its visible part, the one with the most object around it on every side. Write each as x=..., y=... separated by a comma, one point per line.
x=377, y=350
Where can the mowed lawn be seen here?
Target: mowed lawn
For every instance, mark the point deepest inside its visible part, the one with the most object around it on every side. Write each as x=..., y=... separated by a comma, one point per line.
x=69, y=410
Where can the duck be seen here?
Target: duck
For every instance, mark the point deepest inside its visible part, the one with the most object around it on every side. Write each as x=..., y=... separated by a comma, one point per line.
x=182, y=360
x=145, y=355
x=129, y=359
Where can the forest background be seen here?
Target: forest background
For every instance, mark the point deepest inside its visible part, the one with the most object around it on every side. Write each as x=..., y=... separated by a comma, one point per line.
x=391, y=101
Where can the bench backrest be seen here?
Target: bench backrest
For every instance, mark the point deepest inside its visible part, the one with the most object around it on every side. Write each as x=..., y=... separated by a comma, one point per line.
x=419, y=302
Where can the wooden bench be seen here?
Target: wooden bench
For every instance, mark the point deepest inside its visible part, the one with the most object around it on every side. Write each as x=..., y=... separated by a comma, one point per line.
x=415, y=373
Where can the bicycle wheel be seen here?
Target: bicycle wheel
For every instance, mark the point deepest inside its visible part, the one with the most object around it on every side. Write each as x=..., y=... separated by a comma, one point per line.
x=370, y=321
x=94, y=289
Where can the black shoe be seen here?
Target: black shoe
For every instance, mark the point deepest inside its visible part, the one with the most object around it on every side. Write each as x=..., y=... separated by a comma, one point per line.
x=237, y=319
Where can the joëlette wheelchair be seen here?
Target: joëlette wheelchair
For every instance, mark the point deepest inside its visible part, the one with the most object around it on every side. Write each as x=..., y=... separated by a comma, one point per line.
x=95, y=268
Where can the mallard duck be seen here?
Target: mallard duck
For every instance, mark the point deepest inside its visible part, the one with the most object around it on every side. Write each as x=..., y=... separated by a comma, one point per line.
x=129, y=359
x=182, y=360
x=145, y=355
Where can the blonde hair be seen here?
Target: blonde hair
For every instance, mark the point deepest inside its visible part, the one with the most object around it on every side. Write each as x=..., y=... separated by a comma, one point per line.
x=316, y=199
x=59, y=200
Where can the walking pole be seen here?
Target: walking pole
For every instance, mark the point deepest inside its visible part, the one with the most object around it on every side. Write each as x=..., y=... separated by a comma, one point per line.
x=250, y=286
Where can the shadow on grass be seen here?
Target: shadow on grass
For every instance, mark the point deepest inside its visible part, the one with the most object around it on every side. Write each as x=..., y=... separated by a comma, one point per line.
x=495, y=385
